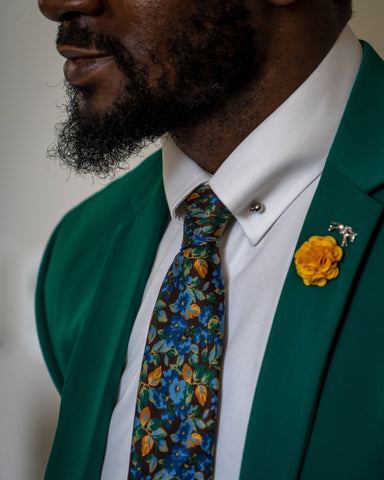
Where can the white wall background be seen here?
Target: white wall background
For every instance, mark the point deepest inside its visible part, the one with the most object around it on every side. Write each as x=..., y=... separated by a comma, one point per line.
x=34, y=194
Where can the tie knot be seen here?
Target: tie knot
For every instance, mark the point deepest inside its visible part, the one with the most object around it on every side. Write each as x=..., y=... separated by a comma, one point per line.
x=205, y=218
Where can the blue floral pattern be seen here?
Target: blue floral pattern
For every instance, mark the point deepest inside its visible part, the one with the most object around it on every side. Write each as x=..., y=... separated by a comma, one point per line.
x=175, y=419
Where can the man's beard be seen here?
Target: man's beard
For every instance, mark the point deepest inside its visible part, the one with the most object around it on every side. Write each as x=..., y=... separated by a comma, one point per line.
x=213, y=54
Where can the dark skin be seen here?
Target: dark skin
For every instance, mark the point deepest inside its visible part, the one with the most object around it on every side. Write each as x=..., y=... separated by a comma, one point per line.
x=295, y=34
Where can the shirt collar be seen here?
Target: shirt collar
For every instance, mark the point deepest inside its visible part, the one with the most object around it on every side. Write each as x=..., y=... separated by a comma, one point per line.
x=283, y=155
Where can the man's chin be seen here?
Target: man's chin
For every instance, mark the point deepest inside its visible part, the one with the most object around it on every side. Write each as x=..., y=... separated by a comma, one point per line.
x=95, y=138
x=91, y=104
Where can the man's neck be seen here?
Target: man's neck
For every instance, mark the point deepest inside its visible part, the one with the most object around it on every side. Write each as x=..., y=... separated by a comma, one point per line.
x=212, y=140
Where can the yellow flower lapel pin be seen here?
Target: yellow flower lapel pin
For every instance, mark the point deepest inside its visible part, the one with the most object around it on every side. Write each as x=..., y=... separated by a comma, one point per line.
x=318, y=258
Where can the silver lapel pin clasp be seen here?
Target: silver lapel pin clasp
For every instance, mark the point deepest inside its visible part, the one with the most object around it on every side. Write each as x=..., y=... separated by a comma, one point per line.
x=344, y=230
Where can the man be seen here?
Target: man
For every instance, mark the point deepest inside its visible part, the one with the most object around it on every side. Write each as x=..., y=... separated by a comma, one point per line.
x=277, y=107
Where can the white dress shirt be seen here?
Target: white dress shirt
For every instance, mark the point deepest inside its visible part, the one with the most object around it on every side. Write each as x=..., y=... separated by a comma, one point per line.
x=279, y=165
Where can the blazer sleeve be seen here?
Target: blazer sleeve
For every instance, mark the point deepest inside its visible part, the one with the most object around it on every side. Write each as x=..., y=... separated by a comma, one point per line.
x=43, y=328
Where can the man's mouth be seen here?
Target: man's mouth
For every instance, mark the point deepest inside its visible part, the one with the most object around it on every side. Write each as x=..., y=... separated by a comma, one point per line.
x=83, y=64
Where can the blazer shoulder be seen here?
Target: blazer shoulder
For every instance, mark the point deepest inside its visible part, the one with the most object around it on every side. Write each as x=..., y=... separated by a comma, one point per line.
x=78, y=250
x=116, y=201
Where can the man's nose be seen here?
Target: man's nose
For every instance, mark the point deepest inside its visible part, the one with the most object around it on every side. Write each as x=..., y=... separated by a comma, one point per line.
x=58, y=10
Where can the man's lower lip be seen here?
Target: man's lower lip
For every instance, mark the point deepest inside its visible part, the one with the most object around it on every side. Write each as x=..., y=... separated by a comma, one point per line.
x=78, y=71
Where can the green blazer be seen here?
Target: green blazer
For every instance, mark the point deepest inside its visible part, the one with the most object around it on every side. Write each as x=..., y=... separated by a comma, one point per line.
x=318, y=409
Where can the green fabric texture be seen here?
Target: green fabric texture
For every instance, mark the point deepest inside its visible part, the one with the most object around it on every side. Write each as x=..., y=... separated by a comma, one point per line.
x=310, y=321
x=89, y=290
x=318, y=406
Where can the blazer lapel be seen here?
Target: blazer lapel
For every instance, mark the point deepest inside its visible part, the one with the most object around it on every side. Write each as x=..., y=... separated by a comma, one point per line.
x=300, y=343
x=308, y=319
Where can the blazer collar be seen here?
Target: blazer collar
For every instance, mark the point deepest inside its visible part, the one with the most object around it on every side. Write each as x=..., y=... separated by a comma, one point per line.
x=307, y=319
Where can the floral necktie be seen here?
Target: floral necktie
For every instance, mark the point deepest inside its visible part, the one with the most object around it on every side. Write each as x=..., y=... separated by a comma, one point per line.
x=175, y=419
